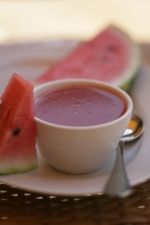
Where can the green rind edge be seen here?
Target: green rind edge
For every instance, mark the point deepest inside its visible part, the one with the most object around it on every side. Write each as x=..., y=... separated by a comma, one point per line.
x=128, y=84
x=130, y=74
x=20, y=168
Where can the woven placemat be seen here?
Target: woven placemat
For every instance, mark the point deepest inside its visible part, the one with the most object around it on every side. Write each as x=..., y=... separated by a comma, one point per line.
x=19, y=207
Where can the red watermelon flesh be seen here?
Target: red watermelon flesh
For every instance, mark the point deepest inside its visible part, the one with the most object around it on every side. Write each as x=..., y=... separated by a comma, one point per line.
x=17, y=127
x=106, y=57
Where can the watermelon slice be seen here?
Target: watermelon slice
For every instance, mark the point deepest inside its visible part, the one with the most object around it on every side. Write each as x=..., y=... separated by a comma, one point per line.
x=18, y=133
x=111, y=56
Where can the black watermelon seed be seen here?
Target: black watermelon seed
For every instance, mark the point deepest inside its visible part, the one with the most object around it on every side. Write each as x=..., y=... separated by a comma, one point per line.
x=16, y=131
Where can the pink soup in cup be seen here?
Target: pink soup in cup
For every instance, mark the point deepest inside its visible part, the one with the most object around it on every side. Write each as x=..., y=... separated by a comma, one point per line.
x=79, y=123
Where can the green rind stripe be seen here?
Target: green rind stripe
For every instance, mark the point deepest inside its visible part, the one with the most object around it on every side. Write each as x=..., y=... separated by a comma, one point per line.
x=20, y=168
x=127, y=85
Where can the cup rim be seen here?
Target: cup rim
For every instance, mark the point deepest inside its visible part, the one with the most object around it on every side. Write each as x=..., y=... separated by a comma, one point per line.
x=61, y=82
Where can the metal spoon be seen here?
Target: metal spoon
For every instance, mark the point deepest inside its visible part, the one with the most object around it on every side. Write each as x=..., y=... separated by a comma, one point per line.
x=118, y=183
x=134, y=130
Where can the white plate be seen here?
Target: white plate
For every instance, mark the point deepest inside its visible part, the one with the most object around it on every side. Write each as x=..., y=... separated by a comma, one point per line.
x=30, y=60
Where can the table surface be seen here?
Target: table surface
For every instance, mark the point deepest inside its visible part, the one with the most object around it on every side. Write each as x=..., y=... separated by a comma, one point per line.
x=24, y=207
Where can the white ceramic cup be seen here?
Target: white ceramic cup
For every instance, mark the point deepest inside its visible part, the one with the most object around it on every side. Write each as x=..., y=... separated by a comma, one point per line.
x=80, y=149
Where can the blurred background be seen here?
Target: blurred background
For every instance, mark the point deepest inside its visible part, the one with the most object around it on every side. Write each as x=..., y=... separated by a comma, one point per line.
x=38, y=20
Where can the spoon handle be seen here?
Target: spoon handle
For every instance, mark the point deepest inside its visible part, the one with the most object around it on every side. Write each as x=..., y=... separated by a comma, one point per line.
x=118, y=183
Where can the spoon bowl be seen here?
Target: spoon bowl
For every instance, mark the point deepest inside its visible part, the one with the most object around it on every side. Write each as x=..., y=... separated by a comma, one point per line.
x=134, y=130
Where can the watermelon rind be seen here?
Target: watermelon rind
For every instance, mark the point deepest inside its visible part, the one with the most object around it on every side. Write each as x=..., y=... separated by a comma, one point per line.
x=127, y=77
x=21, y=167
x=127, y=86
